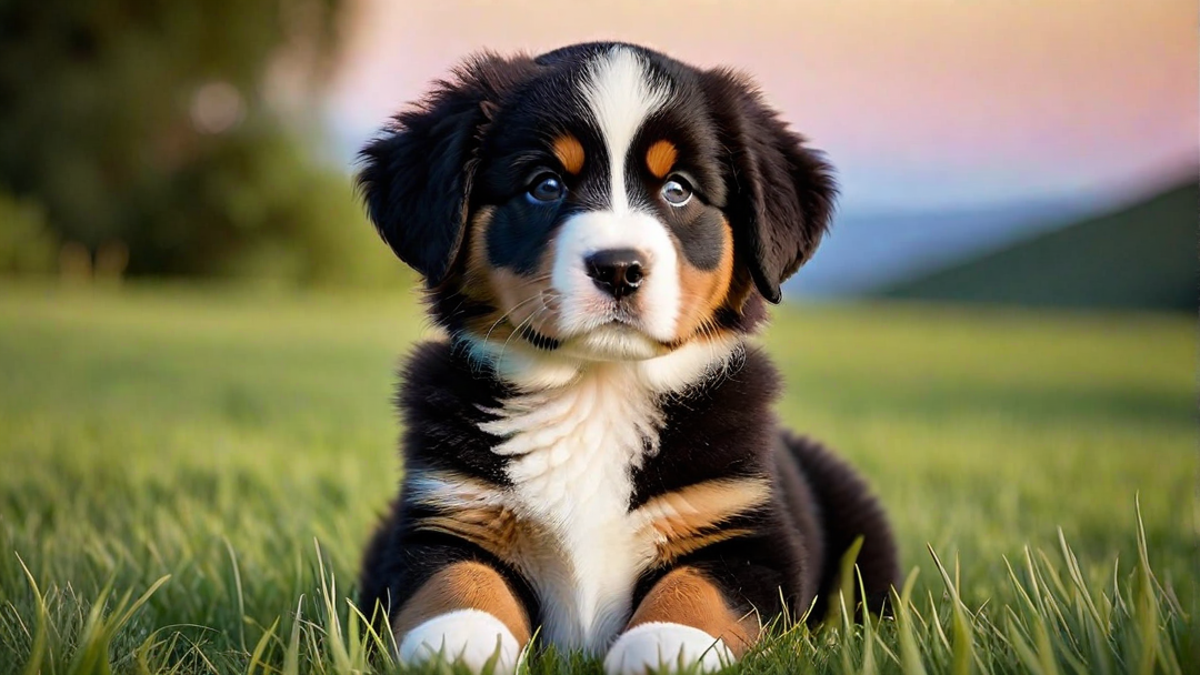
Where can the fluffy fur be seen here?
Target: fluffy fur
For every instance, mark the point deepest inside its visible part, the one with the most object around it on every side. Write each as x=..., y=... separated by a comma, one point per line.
x=591, y=452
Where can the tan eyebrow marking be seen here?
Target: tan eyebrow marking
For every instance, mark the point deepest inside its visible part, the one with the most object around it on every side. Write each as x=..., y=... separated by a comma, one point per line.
x=661, y=157
x=569, y=152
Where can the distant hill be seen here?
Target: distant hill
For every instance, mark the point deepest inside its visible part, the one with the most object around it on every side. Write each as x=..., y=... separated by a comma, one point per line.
x=1142, y=256
x=866, y=250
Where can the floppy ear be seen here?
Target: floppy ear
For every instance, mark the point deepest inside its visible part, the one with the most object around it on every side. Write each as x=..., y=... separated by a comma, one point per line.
x=416, y=176
x=780, y=193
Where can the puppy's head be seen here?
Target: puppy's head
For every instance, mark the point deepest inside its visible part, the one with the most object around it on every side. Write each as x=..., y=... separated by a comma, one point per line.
x=601, y=201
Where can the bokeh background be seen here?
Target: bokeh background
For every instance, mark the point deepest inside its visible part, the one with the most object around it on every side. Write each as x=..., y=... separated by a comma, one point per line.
x=216, y=139
x=199, y=327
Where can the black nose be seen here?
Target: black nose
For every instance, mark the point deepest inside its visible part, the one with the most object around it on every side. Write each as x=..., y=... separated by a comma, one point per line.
x=617, y=271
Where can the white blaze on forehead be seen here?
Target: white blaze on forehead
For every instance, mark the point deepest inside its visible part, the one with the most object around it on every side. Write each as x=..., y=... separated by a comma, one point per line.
x=620, y=96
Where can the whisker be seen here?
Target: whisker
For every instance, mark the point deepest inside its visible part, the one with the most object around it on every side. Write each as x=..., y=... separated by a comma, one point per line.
x=528, y=320
x=506, y=315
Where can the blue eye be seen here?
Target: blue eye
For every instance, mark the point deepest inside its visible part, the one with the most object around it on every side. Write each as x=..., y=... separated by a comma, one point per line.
x=546, y=188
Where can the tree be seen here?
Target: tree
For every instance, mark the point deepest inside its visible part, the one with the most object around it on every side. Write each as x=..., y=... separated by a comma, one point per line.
x=175, y=129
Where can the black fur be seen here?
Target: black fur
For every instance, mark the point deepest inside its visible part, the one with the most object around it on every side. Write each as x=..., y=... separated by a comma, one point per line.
x=719, y=428
x=441, y=402
x=722, y=427
x=472, y=144
x=417, y=177
x=781, y=193
x=832, y=506
x=441, y=409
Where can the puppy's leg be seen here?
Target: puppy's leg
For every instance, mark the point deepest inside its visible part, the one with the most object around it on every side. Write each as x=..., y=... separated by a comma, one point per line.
x=466, y=611
x=684, y=620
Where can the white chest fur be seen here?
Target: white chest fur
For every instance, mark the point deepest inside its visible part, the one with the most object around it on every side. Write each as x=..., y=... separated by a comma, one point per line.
x=573, y=450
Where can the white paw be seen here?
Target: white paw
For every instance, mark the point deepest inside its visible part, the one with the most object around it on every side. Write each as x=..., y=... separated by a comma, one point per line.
x=666, y=646
x=469, y=635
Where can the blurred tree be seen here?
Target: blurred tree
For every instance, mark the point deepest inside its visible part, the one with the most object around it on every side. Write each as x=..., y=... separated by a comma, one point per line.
x=177, y=130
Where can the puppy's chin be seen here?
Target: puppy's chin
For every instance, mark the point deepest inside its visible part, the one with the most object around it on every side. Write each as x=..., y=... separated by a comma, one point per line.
x=613, y=342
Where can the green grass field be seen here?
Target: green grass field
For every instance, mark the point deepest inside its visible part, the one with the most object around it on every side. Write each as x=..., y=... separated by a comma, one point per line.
x=187, y=479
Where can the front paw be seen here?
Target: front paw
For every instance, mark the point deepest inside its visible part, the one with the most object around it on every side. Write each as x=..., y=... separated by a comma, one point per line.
x=666, y=646
x=467, y=635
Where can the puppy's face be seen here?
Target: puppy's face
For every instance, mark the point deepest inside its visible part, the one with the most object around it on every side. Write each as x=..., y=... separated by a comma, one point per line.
x=602, y=201
x=597, y=225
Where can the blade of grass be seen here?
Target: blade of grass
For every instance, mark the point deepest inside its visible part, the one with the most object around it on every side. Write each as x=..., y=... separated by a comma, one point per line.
x=963, y=639
x=910, y=654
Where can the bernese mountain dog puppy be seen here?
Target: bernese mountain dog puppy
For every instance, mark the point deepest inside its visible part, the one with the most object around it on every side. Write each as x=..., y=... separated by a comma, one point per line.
x=590, y=454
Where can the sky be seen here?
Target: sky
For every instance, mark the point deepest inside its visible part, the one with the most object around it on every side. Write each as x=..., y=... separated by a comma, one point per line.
x=918, y=103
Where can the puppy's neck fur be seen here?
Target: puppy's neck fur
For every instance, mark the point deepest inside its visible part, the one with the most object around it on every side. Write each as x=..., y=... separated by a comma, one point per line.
x=530, y=370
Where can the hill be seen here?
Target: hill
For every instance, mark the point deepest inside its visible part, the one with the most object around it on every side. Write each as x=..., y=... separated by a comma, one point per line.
x=1141, y=256
x=866, y=250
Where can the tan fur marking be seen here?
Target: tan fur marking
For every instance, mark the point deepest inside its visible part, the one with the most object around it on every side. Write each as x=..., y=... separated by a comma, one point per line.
x=467, y=509
x=494, y=530
x=513, y=295
x=686, y=596
x=464, y=585
x=690, y=518
x=704, y=292
x=703, y=505
x=741, y=287
x=474, y=511
x=569, y=152
x=660, y=158
x=475, y=277
x=671, y=550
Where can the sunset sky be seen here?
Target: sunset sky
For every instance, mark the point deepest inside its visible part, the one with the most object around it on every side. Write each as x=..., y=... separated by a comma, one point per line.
x=919, y=103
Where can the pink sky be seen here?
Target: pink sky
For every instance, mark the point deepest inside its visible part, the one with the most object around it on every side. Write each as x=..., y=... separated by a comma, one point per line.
x=918, y=102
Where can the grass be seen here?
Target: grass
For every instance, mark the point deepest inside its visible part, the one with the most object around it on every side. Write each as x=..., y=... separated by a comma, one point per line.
x=187, y=478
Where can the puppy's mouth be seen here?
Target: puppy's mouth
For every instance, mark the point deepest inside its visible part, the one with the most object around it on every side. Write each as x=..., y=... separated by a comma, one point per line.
x=621, y=316
x=539, y=340
x=613, y=333
x=622, y=327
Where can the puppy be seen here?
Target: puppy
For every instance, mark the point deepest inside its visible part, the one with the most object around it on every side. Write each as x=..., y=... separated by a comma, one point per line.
x=591, y=453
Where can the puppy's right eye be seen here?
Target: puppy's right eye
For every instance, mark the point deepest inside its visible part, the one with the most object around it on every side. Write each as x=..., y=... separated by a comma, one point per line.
x=546, y=188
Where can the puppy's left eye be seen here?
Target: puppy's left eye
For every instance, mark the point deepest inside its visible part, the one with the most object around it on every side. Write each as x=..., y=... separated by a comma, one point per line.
x=677, y=191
